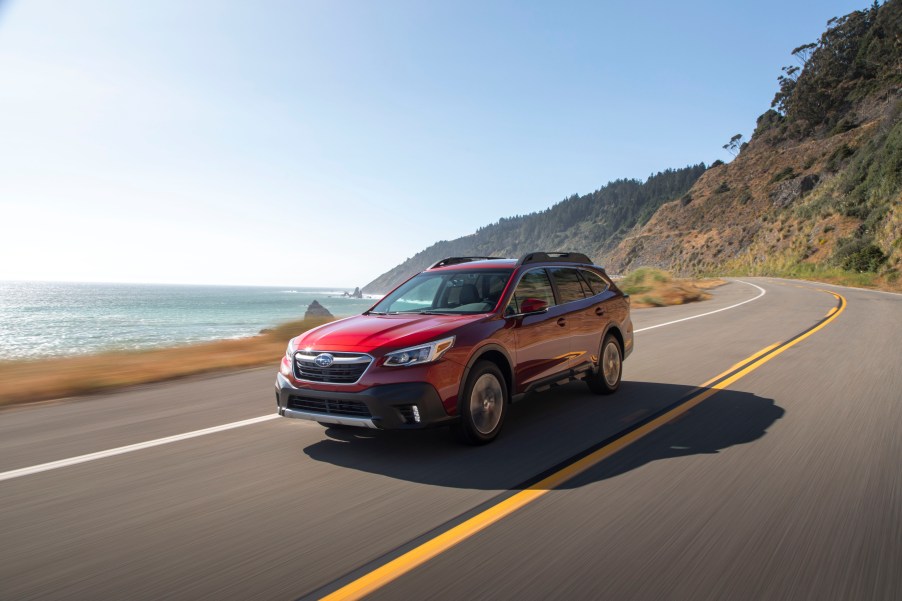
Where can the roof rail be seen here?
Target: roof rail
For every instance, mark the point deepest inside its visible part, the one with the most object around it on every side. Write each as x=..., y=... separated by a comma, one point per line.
x=457, y=260
x=556, y=257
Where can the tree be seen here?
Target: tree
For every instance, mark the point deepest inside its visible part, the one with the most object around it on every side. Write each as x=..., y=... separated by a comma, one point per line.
x=787, y=87
x=803, y=53
x=734, y=145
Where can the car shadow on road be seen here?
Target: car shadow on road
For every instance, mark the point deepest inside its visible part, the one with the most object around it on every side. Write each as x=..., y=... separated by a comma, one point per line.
x=546, y=429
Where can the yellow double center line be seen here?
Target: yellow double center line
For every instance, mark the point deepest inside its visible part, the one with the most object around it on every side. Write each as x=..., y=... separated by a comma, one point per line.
x=419, y=555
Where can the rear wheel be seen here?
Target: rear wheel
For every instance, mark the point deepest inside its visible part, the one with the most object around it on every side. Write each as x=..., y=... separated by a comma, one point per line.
x=606, y=379
x=483, y=405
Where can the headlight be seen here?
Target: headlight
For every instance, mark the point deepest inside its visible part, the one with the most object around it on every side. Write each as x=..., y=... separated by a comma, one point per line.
x=286, y=366
x=417, y=355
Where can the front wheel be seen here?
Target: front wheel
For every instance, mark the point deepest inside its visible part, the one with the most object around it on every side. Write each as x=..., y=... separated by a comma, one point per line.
x=606, y=379
x=483, y=405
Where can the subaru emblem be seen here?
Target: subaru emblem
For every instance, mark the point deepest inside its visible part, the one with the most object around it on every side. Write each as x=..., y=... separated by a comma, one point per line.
x=324, y=360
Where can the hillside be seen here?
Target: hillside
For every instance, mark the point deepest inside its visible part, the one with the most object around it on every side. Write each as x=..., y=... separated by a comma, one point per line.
x=817, y=191
x=818, y=187
x=593, y=223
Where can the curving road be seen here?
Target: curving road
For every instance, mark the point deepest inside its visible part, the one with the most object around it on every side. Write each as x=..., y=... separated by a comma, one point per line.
x=780, y=478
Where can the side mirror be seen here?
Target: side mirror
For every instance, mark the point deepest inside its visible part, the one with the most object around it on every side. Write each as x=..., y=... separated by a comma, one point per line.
x=533, y=305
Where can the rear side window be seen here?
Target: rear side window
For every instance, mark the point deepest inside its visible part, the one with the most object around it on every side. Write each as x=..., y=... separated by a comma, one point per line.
x=570, y=286
x=534, y=284
x=595, y=281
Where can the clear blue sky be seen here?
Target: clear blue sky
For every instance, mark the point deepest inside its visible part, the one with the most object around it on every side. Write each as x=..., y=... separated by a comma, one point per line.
x=321, y=143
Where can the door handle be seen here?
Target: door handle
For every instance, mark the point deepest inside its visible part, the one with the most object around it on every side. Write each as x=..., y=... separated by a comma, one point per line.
x=561, y=321
x=599, y=311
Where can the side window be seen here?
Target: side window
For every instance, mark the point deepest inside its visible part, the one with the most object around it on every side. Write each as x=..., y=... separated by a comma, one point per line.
x=534, y=284
x=598, y=283
x=568, y=284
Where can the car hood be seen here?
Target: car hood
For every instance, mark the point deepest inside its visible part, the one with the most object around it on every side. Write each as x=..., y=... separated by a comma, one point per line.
x=368, y=333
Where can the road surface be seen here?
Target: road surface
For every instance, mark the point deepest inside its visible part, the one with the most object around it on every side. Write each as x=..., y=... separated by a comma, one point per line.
x=780, y=478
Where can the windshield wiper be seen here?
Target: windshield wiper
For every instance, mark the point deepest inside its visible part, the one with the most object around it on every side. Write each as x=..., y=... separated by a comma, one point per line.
x=435, y=313
x=375, y=313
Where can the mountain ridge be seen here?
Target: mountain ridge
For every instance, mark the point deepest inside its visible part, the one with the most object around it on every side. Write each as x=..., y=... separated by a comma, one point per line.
x=592, y=223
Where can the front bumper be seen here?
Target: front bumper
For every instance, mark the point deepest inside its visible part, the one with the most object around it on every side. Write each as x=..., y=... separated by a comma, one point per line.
x=385, y=407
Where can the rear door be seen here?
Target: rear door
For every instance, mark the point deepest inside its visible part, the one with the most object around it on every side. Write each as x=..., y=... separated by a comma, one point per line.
x=542, y=342
x=580, y=306
x=604, y=307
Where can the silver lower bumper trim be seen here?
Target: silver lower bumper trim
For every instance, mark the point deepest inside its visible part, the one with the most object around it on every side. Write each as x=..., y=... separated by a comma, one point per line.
x=342, y=420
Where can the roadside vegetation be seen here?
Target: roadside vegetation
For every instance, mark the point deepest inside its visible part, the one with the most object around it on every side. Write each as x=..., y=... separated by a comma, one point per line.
x=38, y=380
x=782, y=268
x=650, y=287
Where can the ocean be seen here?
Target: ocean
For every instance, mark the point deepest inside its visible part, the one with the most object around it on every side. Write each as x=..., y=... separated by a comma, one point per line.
x=53, y=319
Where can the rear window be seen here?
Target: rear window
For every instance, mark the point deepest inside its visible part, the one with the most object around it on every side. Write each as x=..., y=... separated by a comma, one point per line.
x=570, y=286
x=595, y=281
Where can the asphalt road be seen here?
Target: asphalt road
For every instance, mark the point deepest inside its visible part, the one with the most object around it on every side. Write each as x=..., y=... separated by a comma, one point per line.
x=785, y=484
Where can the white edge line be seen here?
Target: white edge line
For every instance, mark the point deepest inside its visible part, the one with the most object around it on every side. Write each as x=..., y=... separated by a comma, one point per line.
x=834, y=285
x=661, y=325
x=52, y=465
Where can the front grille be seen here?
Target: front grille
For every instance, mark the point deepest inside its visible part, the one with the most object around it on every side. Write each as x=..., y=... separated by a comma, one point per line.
x=329, y=406
x=345, y=369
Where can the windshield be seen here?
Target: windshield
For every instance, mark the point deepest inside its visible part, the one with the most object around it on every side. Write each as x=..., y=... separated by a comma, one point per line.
x=449, y=292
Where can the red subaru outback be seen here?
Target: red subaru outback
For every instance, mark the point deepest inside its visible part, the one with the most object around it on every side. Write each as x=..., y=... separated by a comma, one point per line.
x=458, y=342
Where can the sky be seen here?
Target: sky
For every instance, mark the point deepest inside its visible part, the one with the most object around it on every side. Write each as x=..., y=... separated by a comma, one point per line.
x=322, y=143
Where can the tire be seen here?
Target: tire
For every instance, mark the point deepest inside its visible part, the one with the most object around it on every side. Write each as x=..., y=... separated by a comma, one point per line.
x=483, y=405
x=606, y=379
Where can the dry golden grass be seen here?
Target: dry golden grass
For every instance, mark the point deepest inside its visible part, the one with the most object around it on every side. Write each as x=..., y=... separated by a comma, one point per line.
x=650, y=287
x=28, y=381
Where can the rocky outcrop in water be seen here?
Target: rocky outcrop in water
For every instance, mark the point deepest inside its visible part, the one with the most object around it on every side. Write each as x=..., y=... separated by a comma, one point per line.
x=315, y=309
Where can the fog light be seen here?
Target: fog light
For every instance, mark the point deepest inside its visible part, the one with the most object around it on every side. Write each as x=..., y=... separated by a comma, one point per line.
x=416, y=414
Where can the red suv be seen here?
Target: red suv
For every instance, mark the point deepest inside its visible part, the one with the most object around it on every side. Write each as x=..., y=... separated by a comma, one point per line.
x=458, y=342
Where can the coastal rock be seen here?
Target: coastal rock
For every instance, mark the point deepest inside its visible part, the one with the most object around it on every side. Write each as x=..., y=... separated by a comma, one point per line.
x=315, y=309
x=356, y=294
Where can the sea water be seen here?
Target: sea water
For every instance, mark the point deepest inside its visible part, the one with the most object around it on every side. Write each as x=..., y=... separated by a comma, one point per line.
x=50, y=319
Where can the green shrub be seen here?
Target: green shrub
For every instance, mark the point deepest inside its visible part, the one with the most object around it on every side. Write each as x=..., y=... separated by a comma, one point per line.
x=869, y=258
x=787, y=173
x=845, y=124
x=836, y=158
x=640, y=280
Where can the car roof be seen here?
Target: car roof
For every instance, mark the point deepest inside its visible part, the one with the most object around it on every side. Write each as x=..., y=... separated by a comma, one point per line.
x=485, y=264
x=510, y=264
x=537, y=258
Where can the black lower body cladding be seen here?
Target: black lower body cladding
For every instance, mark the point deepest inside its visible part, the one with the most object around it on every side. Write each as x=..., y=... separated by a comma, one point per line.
x=410, y=405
